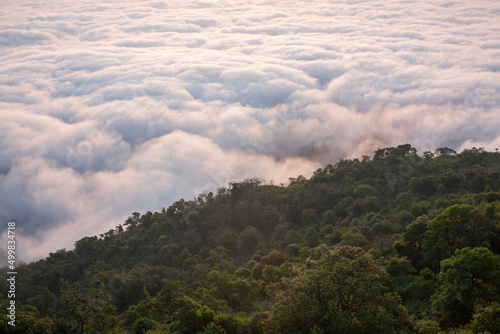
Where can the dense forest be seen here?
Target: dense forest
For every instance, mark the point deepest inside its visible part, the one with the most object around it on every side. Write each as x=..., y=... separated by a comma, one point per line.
x=394, y=243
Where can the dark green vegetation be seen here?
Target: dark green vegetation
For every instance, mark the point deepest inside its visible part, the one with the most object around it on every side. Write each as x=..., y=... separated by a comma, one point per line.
x=397, y=243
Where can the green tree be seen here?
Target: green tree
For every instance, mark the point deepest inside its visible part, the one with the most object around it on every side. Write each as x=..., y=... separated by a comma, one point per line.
x=457, y=227
x=470, y=275
x=342, y=292
x=135, y=291
x=311, y=237
x=399, y=266
x=444, y=152
x=329, y=218
x=309, y=217
x=249, y=239
x=413, y=242
x=404, y=200
x=487, y=319
x=364, y=190
x=27, y=320
x=367, y=232
x=86, y=309
x=354, y=239
x=142, y=325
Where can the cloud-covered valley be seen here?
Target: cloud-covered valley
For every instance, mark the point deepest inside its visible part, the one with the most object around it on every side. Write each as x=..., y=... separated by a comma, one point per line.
x=107, y=108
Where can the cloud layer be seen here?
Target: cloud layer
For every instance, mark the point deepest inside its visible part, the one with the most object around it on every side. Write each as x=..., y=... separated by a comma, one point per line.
x=108, y=108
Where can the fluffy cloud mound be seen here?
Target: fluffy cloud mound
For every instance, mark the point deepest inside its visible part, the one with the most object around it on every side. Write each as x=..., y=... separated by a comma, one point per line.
x=108, y=108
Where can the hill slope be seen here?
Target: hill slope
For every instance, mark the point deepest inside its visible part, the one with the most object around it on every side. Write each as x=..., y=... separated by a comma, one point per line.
x=394, y=243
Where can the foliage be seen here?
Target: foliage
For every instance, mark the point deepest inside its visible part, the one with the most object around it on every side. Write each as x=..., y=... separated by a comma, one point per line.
x=397, y=243
x=342, y=292
x=467, y=278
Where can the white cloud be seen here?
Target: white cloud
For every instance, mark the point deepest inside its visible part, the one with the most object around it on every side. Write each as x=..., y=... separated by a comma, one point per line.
x=110, y=108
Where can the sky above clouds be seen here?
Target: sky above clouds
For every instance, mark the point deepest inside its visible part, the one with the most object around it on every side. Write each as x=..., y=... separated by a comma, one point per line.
x=111, y=107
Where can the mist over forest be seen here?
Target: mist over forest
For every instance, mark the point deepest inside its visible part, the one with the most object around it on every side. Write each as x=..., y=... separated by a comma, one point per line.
x=108, y=108
x=250, y=166
x=394, y=243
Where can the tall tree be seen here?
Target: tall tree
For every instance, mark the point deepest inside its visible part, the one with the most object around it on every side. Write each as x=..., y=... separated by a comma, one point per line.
x=468, y=277
x=457, y=227
x=342, y=292
x=86, y=309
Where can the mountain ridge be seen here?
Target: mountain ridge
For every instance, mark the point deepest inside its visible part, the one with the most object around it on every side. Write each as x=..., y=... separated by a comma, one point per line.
x=230, y=261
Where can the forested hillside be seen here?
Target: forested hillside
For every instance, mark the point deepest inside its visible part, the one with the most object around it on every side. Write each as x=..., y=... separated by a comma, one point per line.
x=394, y=243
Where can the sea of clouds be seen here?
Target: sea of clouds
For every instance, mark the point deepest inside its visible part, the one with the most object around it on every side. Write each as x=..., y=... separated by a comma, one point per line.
x=111, y=107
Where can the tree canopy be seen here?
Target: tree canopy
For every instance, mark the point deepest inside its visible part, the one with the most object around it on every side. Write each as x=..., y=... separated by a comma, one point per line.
x=397, y=243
